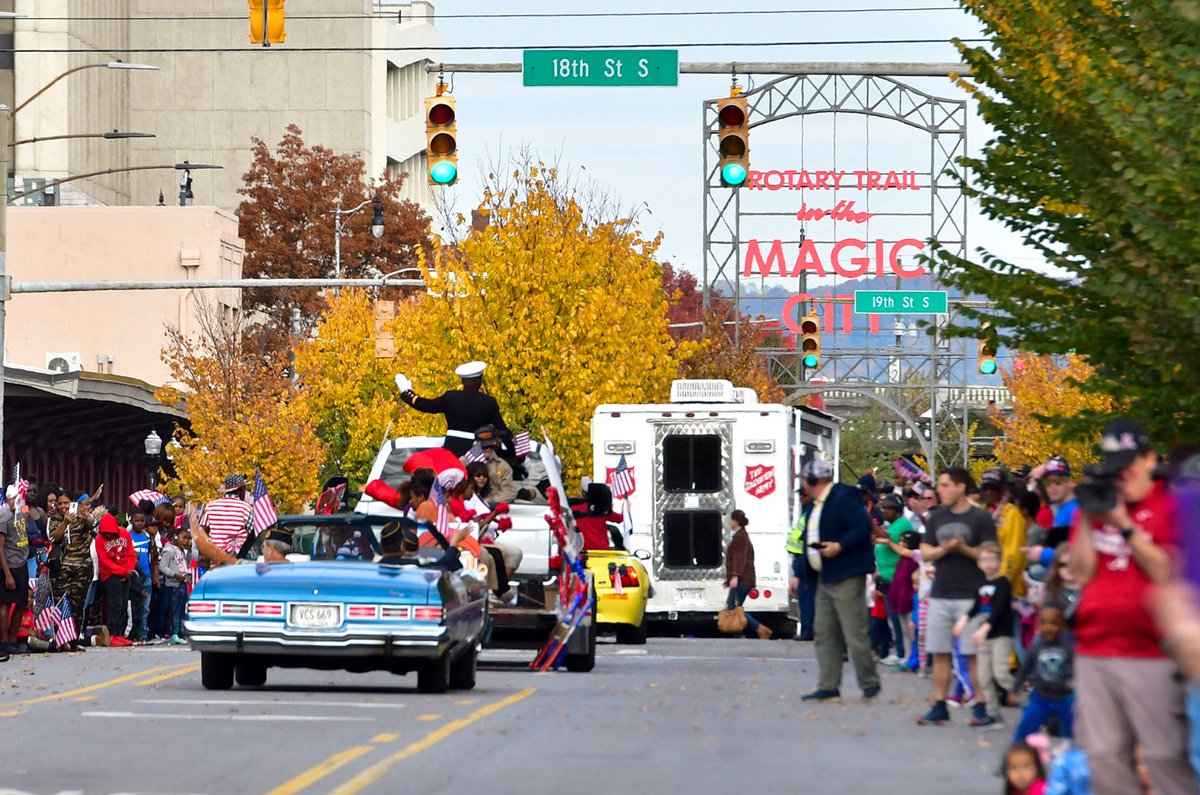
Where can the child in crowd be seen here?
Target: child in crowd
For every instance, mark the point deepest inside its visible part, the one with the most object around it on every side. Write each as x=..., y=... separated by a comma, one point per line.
x=173, y=565
x=1049, y=669
x=993, y=637
x=877, y=623
x=1024, y=773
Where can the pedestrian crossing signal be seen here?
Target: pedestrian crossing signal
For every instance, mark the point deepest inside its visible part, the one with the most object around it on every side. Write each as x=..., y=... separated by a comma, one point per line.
x=733, y=140
x=810, y=341
x=441, y=140
x=988, y=347
x=266, y=17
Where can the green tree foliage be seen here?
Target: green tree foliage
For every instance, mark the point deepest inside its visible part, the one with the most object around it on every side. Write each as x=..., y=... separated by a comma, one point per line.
x=1095, y=162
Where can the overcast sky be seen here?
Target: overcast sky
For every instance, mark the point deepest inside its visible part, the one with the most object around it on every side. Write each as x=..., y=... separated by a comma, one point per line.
x=645, y=144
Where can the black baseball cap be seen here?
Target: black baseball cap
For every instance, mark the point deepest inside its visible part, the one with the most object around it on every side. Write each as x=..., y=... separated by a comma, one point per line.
x=1121, y=443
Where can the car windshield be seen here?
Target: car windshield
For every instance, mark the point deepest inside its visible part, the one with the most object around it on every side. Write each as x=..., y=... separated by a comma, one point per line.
x=338, y=537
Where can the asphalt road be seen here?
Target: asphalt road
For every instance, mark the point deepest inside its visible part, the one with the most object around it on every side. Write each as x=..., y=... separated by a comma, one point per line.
x=690, y=716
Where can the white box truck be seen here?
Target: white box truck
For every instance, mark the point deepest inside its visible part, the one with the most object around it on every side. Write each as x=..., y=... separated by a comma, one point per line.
x=712, y=449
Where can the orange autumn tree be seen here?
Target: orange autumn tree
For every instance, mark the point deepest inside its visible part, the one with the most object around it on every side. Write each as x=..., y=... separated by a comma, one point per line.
x=564, y=303
x=1045, y=389
x=242, y=417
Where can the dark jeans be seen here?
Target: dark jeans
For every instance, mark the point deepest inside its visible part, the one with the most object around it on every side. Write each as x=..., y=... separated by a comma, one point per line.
x=139, y=606
x=178, y=602
x=160, y=605
x=880, y=634
x=116, y=598
x=740, y=593
x=1039, y=709
x=806, y=595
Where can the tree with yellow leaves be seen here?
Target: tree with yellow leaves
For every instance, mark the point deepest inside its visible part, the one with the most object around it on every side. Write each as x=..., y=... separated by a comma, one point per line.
x=567, y=309
x=1046, y=390
x=242, y=417
x=349, y=391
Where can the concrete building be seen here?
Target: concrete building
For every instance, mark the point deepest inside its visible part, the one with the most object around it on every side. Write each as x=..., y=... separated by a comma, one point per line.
x=364, y=94
x=118, y=333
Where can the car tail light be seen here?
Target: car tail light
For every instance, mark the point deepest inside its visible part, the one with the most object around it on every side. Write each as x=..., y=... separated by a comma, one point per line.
x=362, y=611
x=428, y=613
x=268, y=609
x=555, y=562
x=235, y=608
x=395, y=613
x=629, y=577
x=766, y=594
x=753, y=593
x=202, y=608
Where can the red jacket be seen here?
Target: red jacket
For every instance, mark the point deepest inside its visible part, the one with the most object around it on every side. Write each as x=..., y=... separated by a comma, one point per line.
x=114, y=549
x=381, y=491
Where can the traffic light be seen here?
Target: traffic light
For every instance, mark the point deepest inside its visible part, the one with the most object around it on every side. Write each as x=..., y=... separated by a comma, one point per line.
x=988, y=345
x=441, y=140
x=267, y=15
x=733, y=140
x=810, y=341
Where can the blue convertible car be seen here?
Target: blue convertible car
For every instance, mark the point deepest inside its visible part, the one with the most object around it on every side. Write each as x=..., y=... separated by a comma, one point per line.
x=330, y=607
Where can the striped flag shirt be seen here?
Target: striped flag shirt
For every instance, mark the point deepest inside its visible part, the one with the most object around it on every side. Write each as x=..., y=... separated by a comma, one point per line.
x=226, y=520
x=620, y=480
x=264, y=511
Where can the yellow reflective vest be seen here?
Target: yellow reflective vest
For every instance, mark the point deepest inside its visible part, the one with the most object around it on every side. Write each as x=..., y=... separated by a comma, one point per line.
x=795, y=539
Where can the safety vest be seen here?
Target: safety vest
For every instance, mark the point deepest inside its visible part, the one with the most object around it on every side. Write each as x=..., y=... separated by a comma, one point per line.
x=795, y=539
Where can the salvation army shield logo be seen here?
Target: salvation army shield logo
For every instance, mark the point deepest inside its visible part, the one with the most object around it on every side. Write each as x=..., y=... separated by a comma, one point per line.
x=760, y=481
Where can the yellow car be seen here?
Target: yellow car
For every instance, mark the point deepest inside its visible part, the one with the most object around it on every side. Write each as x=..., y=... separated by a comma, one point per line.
x=622, y=588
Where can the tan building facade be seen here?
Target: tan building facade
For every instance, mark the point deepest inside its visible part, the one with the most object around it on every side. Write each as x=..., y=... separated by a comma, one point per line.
x=208, y=106
x=114, y=332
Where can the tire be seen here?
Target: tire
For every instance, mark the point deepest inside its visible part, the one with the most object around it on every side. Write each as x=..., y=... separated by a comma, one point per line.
x=216, y=670
x=582, y=663
x=632, y=636
x=250, y=674
x=462, y=670
x=434, y=676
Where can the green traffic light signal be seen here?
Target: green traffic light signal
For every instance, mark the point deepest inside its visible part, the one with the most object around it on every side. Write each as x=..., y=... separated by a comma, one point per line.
x=733, y=175
x=988, y=367
x=443, y=173
x=811, y=361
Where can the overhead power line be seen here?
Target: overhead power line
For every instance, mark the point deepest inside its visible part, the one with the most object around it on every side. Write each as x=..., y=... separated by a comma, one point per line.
x=513, y=15
x=493, y=47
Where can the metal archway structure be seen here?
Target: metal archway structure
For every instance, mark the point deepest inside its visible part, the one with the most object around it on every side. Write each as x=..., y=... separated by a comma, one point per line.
x=930, y=365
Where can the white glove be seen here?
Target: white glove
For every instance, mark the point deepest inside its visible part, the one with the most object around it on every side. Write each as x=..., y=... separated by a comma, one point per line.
x=403, y=383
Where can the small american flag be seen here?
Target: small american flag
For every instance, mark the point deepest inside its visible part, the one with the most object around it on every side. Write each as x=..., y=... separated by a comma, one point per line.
x=475, y=454
x=443, y=510
x=21, y=483
x=620, y=480
x=1024, y=608
x=149, y=495
x=265, y=514
x=521, y=444
x=47, y=619
x=65, y=632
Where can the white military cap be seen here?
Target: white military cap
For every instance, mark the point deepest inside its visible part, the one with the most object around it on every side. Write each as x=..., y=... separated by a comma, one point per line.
x=470, y=370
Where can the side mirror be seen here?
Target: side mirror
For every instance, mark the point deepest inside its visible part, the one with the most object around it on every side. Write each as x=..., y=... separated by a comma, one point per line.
x=641, y=554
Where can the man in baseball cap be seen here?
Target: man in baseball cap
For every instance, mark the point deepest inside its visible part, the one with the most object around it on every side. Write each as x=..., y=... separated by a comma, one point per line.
x=1122, y=673
x=1060, y=490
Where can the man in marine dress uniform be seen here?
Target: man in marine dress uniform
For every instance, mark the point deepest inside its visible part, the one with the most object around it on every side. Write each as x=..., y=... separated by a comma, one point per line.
x=466, y=409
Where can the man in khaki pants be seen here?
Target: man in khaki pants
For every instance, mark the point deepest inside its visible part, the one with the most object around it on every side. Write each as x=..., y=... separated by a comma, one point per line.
x=1128, y=694
x=841, y=550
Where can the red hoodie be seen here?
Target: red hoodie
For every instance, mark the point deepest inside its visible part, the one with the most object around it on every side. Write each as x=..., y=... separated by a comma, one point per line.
x=114, y=548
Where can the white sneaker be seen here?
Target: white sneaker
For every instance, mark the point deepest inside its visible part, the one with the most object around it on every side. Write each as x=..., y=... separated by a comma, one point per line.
x=890, y=660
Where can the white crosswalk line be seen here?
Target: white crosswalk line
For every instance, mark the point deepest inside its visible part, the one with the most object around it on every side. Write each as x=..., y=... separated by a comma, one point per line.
x=197, y=716
x=266, y=702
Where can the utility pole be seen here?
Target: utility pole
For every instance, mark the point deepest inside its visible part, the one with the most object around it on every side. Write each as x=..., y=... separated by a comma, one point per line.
x=5, y=123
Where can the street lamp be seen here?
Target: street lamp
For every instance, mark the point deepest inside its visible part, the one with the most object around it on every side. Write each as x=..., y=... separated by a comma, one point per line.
x=338, y=227
x=185, y=166
x=117, y=65
x=153, y=443
x=111, y=135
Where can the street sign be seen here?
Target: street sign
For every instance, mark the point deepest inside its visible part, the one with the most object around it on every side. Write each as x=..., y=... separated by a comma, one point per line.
x=900, y=302
x=601, y=67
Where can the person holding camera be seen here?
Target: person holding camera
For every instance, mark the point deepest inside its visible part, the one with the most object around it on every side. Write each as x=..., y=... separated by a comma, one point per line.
x=841, y=550
x=1128, y=694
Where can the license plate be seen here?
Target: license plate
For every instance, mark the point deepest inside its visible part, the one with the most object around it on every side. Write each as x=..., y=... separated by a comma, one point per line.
x=690, y=596
x=315, y=616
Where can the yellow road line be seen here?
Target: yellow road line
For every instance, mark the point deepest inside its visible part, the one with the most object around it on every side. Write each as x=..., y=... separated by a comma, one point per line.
x=89, y=689
x=320, y=771
x=84, y=698
x=12, y=713
x=379, y=769
x=191, y=669
x=385, y=738
x=428, y=716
